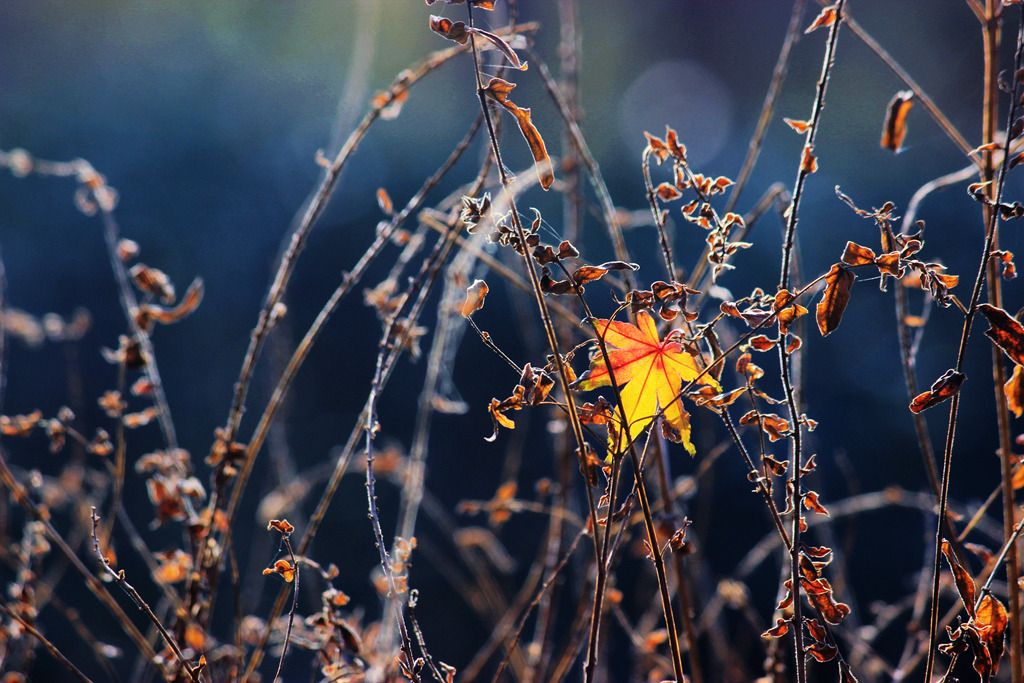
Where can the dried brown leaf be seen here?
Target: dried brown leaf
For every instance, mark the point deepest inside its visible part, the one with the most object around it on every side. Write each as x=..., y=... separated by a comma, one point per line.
x=944, y=388
x=962, y=579
x=499, y=90
x=895, y=127
x=827, y=17
x=799, y=126
x=1005, y=332
x=833, y=302
x=475, y=295
x=856, y=255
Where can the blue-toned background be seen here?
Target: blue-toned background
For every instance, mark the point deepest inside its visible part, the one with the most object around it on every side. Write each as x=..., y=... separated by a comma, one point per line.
x=207, y=116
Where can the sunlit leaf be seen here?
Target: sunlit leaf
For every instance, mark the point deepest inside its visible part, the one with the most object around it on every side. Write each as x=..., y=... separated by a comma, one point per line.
x=1005, y=332
x=856, y=255
x=990, y=620
x=150, y=313
x=827, y=17
x=808, y=162
x=653, y=371
x=499, y=90
x=798, y=126
x=833, y=302
x=944, y=387
x=475, y=295
x=962, y=579
x=1014, y=390
x=895, y=127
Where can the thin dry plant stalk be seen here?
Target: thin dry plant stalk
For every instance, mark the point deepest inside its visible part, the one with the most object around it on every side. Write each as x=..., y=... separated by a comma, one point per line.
x=675, y=361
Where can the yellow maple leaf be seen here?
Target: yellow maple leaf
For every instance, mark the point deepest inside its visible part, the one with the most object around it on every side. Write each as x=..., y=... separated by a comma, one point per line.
x=653, y=371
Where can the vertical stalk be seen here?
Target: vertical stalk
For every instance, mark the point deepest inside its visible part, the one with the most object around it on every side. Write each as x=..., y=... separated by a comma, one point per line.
x=796, y=454
x=991, y=29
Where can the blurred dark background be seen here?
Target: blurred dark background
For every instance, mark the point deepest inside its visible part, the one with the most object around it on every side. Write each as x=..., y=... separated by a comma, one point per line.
x=207, y=116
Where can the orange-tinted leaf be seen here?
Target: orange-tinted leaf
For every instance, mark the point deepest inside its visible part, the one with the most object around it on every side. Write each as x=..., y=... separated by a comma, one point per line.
x=674, y=147
x=889, y=264
x=1005, y=332
x=452, y=30
x=1014, y=390
x=833, y=302
x=962, y=579
x=780, y=629
x=895, y=127
x=990, y=621
x=653, y=371
x=823, y=652
x=856, y=255
x=384, y=201
x=657, y=147
x=499, y=90
x=551, y=286
x=771, y=424
x=774, y=466
x=284, y=568
x=811, y=503
x=944, y=387
x=173, y=566
x=1018, y=477
x=586, y=274
x=475, y=295
x=20, y=425
x=152, y=281
x=799, y=126
x=762, y=342
x=827, y=17
x=667, y=192
x=281, y=526
x=148, y=314
x=808, y=162
x=789, y=314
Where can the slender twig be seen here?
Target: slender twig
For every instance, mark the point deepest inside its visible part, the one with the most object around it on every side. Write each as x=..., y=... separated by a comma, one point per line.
x=972, y=308
x=295, y=603
x=50, y=647
x=118, y=578
x=796, y=454
x=991, y=34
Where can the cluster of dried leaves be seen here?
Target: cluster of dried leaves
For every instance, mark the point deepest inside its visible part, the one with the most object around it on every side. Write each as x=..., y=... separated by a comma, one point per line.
x=614, y=559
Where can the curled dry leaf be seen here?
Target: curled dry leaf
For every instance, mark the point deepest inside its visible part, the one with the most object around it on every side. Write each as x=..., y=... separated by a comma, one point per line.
x=148, y=314
x=895, y=127
x=962, y=579
x=1004, y=331
x=475, y=295
x=283, y=567
x=1014, y=390
x=459, y=32
x=808, y=162
x=152, y=281
x=990, y=621
x=944, y=387
x=833, y=302
x=384, y=201
x=798, y=126
x=499, y=90
x=586, y=274
x=827, y=17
